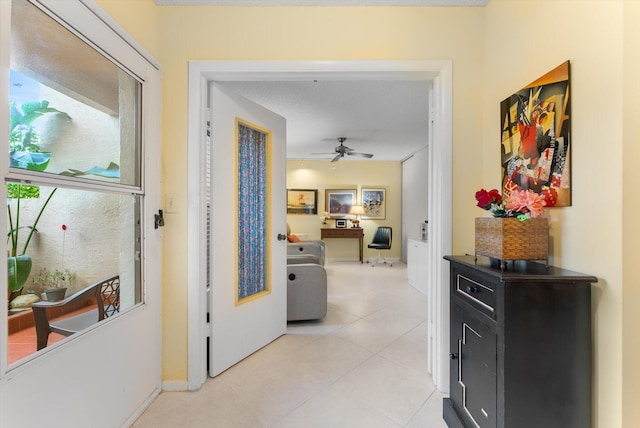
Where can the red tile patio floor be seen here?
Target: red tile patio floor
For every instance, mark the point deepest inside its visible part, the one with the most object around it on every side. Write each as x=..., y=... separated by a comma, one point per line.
x=23, y=343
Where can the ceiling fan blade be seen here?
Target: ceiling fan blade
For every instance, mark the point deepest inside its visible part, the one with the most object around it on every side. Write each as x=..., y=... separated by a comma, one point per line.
x=337, y=158
x=364, y=155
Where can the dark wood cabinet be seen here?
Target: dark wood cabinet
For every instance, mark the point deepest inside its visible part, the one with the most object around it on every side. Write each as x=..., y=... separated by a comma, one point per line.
x=520, y=346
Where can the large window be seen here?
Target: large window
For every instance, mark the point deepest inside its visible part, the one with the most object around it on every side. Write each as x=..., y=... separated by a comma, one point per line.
x=74, y=183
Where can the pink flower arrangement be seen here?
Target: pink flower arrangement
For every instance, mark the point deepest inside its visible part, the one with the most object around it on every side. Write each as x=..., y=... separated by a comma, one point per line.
x=526, y=201
x=520, y=203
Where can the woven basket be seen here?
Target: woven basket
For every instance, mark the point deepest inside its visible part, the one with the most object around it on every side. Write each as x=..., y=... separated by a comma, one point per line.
x=511, y=239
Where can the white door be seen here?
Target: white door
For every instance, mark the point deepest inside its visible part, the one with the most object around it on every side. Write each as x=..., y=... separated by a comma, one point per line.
x=248, y=300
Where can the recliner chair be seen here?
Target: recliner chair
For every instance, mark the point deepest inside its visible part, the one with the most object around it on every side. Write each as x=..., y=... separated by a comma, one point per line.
x=306, y=292
x=316, y=249
x=381, y=241
x=305, y=248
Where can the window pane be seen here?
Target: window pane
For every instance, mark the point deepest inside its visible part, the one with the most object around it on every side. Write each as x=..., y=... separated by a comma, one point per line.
x=82, y=237
x=73, y=111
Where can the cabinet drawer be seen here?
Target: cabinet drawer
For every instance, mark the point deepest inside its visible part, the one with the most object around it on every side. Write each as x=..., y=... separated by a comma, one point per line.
x=341, y=233
x=479, y=294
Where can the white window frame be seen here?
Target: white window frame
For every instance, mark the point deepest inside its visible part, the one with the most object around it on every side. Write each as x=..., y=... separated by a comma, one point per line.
x=138, y=371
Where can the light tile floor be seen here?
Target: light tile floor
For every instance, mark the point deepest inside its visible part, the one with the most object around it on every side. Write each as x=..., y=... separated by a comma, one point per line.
x=363, y=366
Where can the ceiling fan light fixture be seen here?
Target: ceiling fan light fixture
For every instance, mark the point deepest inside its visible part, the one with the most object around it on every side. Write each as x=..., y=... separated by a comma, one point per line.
x=341, y=150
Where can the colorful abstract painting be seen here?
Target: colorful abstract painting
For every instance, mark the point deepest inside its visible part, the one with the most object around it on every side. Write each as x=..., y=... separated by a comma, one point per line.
x=374, y=204
x=252, y=159
x=535, y=134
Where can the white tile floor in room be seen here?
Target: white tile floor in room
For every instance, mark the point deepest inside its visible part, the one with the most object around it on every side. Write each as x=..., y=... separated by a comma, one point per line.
x=363, y=366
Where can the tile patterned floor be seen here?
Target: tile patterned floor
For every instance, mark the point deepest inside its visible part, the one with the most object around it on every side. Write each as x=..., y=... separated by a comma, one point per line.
x=363, y=366
x=23, y=343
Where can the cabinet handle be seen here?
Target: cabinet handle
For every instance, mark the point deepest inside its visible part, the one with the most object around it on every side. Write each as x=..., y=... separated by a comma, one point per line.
x=453, y=356
x=471, y=289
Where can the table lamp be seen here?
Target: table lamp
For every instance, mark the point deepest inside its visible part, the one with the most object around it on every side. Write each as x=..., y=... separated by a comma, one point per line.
x=356, y=210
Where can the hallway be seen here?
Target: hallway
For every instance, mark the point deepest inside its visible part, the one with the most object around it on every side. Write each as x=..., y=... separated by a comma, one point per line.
x=363, y=366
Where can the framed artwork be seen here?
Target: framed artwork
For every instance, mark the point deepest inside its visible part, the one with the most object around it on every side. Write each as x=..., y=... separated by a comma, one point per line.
x=374, y=203
x=302, y=201
x=339, y=202
x=535, y=138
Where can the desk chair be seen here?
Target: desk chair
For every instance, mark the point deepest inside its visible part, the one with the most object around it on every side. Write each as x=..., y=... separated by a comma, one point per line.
x=381, y=241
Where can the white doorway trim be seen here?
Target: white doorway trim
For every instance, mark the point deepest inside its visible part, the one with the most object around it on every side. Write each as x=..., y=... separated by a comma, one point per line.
x=440, y=184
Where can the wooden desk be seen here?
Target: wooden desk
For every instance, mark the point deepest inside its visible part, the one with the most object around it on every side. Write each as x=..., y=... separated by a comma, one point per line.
x=347, y=232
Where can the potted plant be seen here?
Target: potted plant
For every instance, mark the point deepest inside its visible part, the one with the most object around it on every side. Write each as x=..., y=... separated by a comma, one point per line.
x=517, y=230
x=54, y=283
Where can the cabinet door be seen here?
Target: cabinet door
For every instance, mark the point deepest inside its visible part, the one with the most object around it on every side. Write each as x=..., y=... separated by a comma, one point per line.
x=455, y=338
x=422, y=273
x=473, y=380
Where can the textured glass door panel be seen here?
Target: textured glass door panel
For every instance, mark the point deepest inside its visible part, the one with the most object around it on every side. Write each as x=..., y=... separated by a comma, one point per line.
x=73, y=110
x=252, y=159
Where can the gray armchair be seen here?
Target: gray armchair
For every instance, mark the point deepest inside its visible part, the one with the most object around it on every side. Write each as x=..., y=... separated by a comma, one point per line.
x=306, y=292
x=306, y=248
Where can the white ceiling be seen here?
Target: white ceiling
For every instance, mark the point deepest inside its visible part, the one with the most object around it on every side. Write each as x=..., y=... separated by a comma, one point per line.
x=321, y=2
x=386, y=118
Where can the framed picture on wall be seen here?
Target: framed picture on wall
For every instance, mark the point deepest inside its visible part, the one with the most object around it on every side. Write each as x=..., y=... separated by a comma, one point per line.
x=338, y=202
x=302, y=201
x=535, y=138
x=374, y=202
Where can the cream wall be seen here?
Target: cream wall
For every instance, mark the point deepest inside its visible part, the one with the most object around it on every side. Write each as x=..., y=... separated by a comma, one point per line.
x=495, y=50
x=140, y=18
x=344, y=174
x=630, y=208
x=587, y=237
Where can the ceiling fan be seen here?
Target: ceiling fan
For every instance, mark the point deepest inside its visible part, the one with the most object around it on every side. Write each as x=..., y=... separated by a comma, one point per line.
x=342, y=150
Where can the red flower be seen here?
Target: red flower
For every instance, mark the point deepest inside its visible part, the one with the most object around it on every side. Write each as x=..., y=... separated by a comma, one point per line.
x=64, y=227
x=486, y=199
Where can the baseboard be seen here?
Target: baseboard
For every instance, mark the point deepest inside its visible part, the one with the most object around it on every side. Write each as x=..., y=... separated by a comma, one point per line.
x=175, y=386
x=367, y=260
x=450, y=415
x=140, y=410
x=388, y=259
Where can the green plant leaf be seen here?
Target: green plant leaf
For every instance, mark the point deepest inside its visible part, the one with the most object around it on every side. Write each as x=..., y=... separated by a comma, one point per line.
x=15, y=116
x=19, y=269
x=35, y=109
x=111, y=171
x=24, y=191
x=30, y=160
